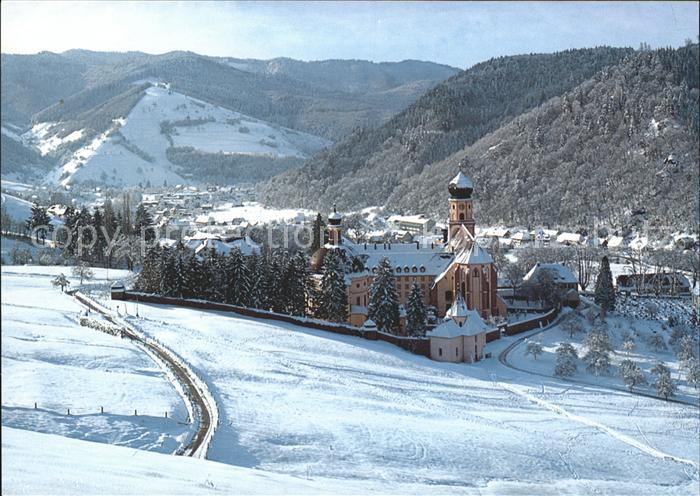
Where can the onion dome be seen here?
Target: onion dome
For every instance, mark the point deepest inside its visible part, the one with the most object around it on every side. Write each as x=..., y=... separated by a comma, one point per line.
x=461, y=186
x=334, y=218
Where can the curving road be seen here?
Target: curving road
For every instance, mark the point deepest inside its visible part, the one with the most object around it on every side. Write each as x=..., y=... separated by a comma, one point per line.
x=199, y=444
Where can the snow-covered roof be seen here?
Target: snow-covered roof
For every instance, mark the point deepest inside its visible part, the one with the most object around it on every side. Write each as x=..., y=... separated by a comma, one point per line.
x=461, y=180
x=419, y=259
x=521, y=236
x=475, y=255
x=567, y=237
x=207, y=241
x=560, y=273
x=459, y=309
x=459, y=321
x=496, y=232
x=616, y=241
x=414, y=219
x=335, y=216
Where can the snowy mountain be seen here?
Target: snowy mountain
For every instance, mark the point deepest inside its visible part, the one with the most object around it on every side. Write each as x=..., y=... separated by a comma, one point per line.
x=325, y=98
x=137, y=149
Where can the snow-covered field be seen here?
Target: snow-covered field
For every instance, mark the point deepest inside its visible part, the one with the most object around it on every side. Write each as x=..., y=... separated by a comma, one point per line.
x=306, y=411
x=48, y=358
x=255, y=213
x=619, y=328
x=303, y=402
x=104, y=159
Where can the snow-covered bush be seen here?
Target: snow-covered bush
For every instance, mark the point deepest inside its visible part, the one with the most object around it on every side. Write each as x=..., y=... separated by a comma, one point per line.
x=533, y=348
x=566, y=360
x=597, y=357
x=631, y=374
x=656, y=342
x=100, y=325
x=664, y=385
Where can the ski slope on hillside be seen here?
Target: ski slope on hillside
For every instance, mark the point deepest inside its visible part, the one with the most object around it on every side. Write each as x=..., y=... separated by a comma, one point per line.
x=133, y=150
x=298, y=401
x=50, y=360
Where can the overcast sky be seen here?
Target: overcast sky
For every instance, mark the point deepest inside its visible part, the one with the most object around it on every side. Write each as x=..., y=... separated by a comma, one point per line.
x=454, y=33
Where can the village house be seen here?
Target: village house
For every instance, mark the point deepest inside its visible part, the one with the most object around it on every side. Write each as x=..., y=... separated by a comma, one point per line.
x=416, y=224
x=455, y=267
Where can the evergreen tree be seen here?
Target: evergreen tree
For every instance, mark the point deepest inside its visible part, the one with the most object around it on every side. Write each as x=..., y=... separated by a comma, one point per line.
x=143, y=223
x=239, y=279
x=275, y=283
x=191, y=276
x=39, y=220
x=383, y=300
x=597, y=357
x=179, y=283
x=148, y=280
x=109, y=218
x=604, y=290
x=664, y=385
x=416, y=314
x=167, y=274
x=258, y=273
x=299, y=284
x=110, y=223
x=566, y=360
x=98, y=247
x=317, y=234
x=82, y=234
x=631, y=374
x=333, y=297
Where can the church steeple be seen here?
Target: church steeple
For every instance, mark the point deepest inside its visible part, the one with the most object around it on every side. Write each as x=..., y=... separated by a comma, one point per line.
x=334, y=228
x=461, y=208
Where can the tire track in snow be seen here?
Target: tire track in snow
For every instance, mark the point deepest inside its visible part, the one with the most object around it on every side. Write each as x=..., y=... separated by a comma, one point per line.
x=630, y=441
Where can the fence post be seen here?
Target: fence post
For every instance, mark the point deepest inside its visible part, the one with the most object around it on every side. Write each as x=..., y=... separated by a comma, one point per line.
x=166, y=414
x=35, y=405
x=68, y=411
x=102, y=409
x=135, y=414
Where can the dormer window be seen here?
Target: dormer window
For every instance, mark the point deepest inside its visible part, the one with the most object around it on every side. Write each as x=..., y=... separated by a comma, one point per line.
x=398, y=270
x=422, y=269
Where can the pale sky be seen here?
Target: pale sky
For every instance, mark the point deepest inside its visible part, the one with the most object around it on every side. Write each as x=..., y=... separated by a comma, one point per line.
x=454, y=33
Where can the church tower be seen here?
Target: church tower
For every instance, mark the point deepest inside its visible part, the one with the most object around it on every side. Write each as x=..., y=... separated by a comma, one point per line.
x=461, y=208
x=334, y=228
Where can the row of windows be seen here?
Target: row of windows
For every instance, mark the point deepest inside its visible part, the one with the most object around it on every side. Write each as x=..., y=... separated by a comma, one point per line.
x=408, y=269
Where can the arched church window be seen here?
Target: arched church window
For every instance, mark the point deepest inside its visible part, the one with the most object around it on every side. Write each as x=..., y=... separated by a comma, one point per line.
x=461, y=216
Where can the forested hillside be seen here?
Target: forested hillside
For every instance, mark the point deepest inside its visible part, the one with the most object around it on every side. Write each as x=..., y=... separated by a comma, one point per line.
x=619, y=148
x=365, y=168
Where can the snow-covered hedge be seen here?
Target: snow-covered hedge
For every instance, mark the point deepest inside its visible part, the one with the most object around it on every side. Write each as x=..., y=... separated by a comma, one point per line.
x=100, y=325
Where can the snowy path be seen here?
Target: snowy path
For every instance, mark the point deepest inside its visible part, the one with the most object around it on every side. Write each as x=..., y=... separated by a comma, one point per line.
x=645, y=447
x=50, y=360
x=201, y=406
